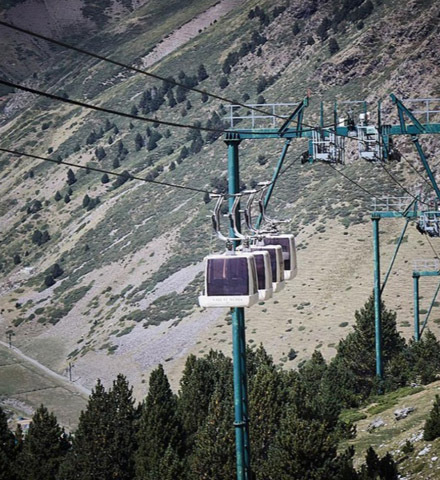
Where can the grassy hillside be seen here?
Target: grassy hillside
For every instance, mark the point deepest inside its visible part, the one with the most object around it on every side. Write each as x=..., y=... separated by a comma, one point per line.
x=126, y=299
x=421, y=459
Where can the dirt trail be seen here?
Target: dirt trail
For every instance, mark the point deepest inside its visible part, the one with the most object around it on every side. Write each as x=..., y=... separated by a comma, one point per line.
x=188, y=31
x=46, y=370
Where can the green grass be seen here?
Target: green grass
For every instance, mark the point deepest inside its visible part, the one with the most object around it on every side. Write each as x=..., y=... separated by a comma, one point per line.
x=390, y=399
x=26, y=383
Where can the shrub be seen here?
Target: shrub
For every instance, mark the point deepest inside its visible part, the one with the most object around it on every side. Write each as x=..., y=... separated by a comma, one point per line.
x=432, y=424
x=223, y=82
x=333, y=46
x=49, y=281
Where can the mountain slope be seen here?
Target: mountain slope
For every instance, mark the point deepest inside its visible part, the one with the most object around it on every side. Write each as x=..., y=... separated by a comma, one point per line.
x=131, y=265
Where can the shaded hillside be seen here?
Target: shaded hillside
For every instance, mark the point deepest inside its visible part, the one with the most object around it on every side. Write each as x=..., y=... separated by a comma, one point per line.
x=130, y=253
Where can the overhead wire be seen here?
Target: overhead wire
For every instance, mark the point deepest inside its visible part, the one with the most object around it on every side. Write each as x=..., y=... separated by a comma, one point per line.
x=134, y=69
x=117, y=174
x=392, y=208
x=102, y=170
x=108, y=110
x=416, y=171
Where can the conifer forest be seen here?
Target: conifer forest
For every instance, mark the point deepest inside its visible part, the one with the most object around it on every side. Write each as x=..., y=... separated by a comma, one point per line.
x=219, y=240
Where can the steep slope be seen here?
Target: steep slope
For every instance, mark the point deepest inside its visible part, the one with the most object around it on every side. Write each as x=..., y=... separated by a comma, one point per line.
x=131, y=264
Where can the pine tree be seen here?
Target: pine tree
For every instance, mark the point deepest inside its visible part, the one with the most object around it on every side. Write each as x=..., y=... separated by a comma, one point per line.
x=201, y=73
x=44, y=448
x=425, y=358
x=7, y=449
x=214, y=452
x=56, y=270
x=66, y=198
x=356, y=353
x=104, y=444
x=138, y=142
x=305, y=445
x=432, y=424
x=37, y=237
x=17, y=259
x=122, y=444
x=159, y=429
x=71, y=179
x=100, y=153
x=86, y=201
x=333, y=46
x=268, y=399
x=223, y=82
x=295, y=28
x=58, y=196
x=200, y=379
x=105, y=178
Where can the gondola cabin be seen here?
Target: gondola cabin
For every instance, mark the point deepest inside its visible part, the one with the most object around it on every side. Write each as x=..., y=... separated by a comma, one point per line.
x=287, y=243
x=230, y=281
x=264, y=273
x=276, y=263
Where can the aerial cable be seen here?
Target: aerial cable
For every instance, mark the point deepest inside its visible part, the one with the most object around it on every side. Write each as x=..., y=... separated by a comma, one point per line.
x=350, y=180
x=415, y=170
x=147, y=73
x=134, y=69
x=101, y=170
x=110, y=172
x=371, y=195
x=432, y=248
x=107, y=110
x=393, y=178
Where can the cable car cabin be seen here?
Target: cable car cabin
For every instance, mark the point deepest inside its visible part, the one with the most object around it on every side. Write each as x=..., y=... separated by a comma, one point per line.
x=287, y=243
x=429, y=222
x=276, y=263
x=230, y=281
x=264, y=273
x=368, y=143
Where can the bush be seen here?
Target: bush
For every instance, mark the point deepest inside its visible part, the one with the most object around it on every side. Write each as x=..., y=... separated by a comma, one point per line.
x=49, y=281
x=333, y=46
x=432, y=424
x=223, y=82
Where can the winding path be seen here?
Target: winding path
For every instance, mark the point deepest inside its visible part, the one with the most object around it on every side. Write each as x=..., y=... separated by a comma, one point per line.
x=46, y=370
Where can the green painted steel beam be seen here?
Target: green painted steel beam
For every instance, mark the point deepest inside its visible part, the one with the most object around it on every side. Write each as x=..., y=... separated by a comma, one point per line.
x=426, y=166
x=416, y=308
x=428, y=273
x=402, y=111
x=392, y=214
x=242, y=444
x=394, y=255
x=429, y=310
x=264, y=133
x=274, y=179
x=377, y=299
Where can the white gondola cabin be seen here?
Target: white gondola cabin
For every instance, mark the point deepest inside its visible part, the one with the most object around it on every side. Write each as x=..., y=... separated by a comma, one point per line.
x=287, y=243
x=230, y=281
x=276, y=263
x=264, y=273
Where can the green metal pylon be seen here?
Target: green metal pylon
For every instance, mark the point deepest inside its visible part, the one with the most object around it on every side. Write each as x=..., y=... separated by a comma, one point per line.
x=416, y=277
x=377, y=297
x=241, y=423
